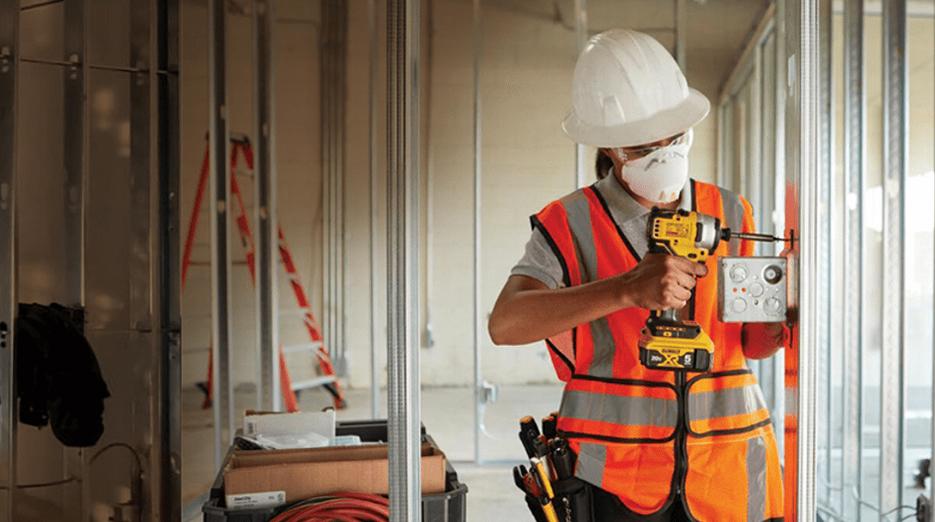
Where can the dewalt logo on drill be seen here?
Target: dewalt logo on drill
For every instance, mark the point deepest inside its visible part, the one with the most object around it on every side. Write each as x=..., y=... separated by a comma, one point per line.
x=676, y=230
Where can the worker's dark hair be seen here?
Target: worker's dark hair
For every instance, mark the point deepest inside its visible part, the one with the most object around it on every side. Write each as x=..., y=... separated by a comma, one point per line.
x=603, y=164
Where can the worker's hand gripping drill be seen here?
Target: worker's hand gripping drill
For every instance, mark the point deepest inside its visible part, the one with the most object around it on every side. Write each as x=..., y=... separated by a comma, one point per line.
x=669, y=342
x=661, y=282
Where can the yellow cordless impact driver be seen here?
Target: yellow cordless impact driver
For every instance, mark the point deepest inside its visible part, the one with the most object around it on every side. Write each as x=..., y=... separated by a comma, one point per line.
x=670, y=343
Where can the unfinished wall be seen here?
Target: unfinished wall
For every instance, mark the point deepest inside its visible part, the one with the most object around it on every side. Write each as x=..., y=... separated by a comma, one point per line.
x=41, y=252
x=920, y=167
x=115, y=288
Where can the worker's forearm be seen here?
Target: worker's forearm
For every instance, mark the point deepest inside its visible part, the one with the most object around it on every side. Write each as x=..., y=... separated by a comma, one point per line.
x=533, y=315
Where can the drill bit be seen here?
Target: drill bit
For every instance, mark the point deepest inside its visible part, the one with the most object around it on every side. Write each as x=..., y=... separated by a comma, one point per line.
x=727, y=234
x=756, y=237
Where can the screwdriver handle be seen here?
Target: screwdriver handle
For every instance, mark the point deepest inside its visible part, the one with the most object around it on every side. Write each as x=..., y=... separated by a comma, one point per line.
x=545, y=488
x=543, y=475
x=528, y=435
x=549, y=510
x=548, y=427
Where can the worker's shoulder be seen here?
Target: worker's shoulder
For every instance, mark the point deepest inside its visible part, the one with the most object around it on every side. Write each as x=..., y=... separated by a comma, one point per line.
x=563, y=201
x=725, y=193
x=712, y=187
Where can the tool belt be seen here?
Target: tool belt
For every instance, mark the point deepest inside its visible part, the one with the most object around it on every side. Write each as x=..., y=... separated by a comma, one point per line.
x=572, y=502
x=552, y=492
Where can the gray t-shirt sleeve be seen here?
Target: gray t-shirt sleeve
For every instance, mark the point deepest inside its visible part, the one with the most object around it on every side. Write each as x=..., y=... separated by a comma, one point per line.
x=540, y=262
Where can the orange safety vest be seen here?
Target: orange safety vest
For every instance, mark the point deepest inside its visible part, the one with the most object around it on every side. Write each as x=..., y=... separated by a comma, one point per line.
x=652, y=436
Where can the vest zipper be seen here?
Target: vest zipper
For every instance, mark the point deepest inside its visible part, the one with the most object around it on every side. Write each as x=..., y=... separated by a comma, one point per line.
x=681, y=450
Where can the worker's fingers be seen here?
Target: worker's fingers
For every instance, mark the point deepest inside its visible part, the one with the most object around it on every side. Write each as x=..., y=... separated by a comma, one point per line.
x=676, y=273
x=686, y=266
x=678, y=263
x=686, y=281
x=672, y=302
x=679, y=293
x=673, y=279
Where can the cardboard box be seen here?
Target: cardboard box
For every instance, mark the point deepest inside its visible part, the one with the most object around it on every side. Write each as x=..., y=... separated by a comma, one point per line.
x=305, y=473
x=299, y=423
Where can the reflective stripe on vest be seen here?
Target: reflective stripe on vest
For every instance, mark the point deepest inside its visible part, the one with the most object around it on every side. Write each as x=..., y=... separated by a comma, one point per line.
x=592, y=459
x=578, y=212
x=725, y=402
x=620, y=410
x=756, y=479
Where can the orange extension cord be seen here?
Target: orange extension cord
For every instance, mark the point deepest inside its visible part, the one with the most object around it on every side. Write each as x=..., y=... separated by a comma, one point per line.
x=340, y=507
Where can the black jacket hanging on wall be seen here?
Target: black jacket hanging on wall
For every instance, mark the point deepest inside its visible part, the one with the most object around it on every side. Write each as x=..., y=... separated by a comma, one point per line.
x=58, y=378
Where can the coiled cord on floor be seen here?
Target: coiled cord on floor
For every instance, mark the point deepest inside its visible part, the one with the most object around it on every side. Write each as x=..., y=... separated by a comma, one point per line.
x=341, y=507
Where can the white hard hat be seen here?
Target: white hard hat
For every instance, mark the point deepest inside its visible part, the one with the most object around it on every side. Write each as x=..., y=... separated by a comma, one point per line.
x=627, y=90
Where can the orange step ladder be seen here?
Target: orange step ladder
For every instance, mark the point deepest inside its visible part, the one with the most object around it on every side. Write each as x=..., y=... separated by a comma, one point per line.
x=240, y=145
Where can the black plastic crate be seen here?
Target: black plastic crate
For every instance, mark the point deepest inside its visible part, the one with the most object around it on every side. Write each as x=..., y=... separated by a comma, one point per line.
x=450, y=506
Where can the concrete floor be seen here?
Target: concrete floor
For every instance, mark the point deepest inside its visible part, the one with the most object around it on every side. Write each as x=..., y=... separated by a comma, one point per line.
x=448, y=414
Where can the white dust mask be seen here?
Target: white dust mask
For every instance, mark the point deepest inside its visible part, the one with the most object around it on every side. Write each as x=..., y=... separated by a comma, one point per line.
x=660, y=175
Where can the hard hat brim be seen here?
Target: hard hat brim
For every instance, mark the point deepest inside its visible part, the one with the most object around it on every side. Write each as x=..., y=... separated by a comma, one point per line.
x=661, y=125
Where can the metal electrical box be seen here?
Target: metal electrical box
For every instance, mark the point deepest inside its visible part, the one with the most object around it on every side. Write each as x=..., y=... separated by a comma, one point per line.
x=752, y=289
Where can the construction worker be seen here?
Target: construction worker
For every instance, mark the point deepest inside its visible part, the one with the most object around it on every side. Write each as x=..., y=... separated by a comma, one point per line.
x=655, y=445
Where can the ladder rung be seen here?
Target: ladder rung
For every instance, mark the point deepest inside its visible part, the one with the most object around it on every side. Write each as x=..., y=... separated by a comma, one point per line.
x=301, y=347
x=313, y=383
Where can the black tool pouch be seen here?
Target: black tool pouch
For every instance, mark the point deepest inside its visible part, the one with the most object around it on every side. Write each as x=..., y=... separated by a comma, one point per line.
x=572, y=500
x=535, y=509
